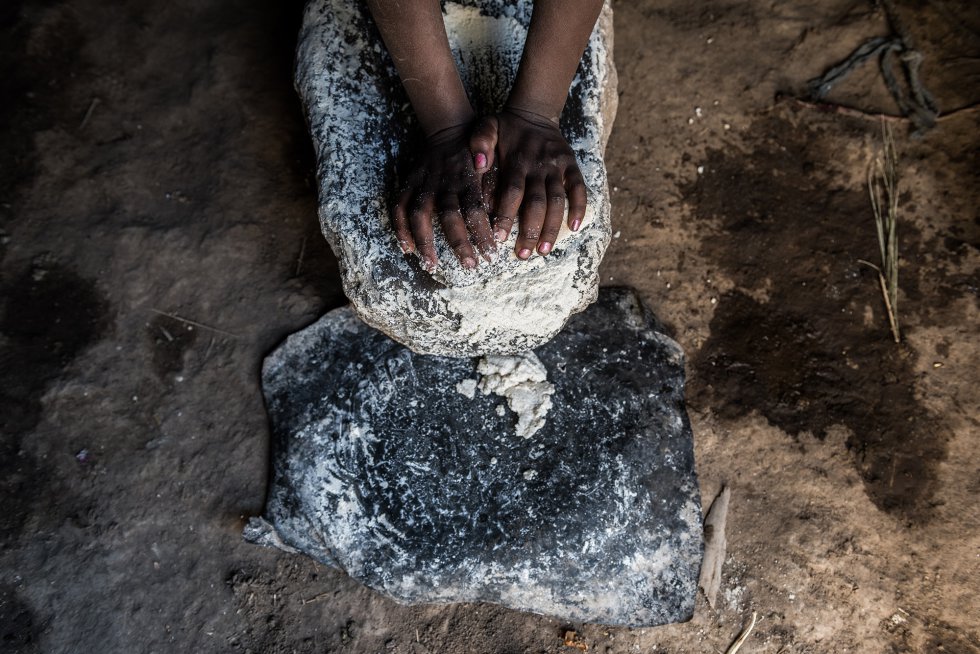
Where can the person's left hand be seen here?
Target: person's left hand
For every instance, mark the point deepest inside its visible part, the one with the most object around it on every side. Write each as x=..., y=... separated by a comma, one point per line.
x=537, y=173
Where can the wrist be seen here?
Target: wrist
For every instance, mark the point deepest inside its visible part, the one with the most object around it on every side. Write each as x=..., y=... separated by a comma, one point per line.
x=448, y=133
x=535, y=107
x=539, y=119
x=446, y=120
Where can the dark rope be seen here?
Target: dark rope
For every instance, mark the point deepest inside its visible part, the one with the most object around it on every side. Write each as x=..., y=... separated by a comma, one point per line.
x=916, y=104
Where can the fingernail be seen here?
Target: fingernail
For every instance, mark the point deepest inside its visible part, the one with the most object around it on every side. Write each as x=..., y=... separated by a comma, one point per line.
x=430, y=265
x=500, y=235
x=469, y=263
x=576, y=224
x=481, y=160
x=544, y=248
x=524, y=253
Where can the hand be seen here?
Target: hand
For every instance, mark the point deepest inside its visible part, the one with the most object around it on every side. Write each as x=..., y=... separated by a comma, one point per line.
x=445, y=183
x=537, y=172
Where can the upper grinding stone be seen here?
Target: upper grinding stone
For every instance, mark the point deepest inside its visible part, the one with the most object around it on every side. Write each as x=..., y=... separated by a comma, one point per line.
x=362, y=125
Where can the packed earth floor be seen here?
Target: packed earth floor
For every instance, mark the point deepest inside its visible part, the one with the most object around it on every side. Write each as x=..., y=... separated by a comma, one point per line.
x=159, y=238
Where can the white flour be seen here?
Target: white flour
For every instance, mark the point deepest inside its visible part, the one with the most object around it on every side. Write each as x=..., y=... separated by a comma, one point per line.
x=467, y=387
x=523, y=381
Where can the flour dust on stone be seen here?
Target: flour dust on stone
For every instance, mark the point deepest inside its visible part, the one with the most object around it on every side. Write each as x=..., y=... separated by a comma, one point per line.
x=362, y=126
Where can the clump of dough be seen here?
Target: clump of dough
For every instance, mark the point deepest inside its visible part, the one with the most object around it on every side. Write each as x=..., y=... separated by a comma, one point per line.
x=467, y=387
x=523, y=381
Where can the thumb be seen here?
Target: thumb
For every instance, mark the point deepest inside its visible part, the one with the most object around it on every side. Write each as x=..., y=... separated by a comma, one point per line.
x=483, y=140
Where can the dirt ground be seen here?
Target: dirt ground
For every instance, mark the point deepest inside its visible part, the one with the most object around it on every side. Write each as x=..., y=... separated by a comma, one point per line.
x=155, y=162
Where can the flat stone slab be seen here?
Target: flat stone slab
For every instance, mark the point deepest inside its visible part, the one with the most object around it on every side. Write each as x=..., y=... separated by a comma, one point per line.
x=388, y=465
x=362, y=125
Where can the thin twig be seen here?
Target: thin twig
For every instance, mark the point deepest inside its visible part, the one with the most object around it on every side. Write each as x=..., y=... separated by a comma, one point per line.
x=742, y=637
x=843, y=110
x=968, y=109
x=88, y=114
x=315, y=597
x=194, y=323
x=854, y=112
x=204, y=358
x=299, y=260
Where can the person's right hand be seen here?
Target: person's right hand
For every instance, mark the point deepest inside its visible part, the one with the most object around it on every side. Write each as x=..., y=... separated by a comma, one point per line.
x=444, y=184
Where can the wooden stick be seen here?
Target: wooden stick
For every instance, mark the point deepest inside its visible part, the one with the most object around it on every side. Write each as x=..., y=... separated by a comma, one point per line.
x=843, y=110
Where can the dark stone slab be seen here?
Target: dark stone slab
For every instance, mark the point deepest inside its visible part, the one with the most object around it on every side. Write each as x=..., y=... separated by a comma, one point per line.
x=383, y=469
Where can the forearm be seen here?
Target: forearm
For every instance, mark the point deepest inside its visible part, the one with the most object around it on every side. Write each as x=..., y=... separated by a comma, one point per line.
x=415, y=35
x=556, y=39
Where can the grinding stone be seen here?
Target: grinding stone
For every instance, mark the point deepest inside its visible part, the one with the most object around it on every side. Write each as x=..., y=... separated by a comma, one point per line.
x=362, y=126
x=384, y=470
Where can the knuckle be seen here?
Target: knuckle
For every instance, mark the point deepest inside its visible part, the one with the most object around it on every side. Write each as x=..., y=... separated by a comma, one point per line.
x=418, y=207
x=477, y=208
x=447, y=205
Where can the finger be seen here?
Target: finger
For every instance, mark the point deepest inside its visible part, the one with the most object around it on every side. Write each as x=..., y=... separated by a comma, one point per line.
x=489, y=187
x=477, y=222
x=533, y=210
x=403, y=231
x=510, y=196
x=554, y=212
x=455, y=230
x=483, y=141
x=501, y=228
x=578, y=197
x=420, y=220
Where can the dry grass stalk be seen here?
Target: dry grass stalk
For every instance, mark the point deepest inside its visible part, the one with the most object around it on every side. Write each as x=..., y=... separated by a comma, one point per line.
x=883, y=189
x=737, y=645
